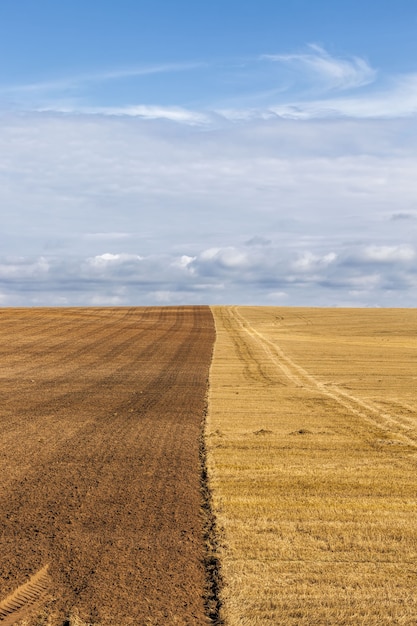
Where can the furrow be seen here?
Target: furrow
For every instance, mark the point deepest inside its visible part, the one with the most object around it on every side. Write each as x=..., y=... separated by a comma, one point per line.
x=16, y=605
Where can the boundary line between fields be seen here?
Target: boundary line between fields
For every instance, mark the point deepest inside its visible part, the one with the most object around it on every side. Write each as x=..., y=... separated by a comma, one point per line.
x=212, y=565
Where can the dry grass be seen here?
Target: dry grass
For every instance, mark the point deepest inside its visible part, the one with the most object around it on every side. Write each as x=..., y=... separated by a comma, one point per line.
x=312, y=455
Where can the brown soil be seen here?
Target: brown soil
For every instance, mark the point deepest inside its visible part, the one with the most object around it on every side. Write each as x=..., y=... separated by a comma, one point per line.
x=100, y=421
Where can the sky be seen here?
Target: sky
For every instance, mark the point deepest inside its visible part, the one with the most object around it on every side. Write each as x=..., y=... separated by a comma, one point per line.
x=226, y=152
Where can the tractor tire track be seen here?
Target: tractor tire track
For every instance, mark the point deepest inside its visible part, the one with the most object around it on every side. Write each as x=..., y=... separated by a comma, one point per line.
x=254, y=371
x=17, y=605
x=302, y=378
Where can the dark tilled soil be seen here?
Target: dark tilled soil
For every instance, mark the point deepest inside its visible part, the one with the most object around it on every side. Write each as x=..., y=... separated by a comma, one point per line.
x=100, y=420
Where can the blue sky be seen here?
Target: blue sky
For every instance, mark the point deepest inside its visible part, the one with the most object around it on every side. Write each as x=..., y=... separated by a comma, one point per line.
x=225, y=152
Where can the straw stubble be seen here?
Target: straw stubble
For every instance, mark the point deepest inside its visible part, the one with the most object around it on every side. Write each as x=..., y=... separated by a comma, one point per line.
x=312, y=450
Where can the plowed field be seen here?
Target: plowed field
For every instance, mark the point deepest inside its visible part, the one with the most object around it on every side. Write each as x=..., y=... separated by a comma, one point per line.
x=100, y=499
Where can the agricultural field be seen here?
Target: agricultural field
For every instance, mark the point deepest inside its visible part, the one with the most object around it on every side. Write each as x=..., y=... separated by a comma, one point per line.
x=121, y=427
x=312, y=459
x=100, y=500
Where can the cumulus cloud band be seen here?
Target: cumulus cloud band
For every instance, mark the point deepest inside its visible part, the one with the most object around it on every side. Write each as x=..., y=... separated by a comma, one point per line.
x=365, y=274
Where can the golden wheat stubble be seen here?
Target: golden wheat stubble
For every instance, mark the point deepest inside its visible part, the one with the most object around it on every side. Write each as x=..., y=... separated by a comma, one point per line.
x=312, y=456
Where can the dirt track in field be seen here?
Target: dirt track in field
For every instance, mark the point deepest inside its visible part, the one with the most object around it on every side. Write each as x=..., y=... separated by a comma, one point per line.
x=401, y=425
x=312, y=455
x=100, y=420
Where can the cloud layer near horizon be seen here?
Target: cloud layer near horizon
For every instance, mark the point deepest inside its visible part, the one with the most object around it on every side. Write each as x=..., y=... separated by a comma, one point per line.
x=121, y=210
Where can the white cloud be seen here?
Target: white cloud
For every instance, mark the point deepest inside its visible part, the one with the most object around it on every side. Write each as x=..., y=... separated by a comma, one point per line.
x=79, y=80
x=311, y=87
x=275, y=275
x=108, y=259
x=299, y=86
x=389, y=254
x=147, y=112
x=23, y=268
x=311, y=262
x=397, y=99
x=184, y=262
x=133, y=208
x=365, y=282
x=277, y=296
x=227, y=258
x=332, y=72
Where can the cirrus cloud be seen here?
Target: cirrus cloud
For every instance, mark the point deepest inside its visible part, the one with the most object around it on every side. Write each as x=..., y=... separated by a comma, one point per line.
x=331, y=72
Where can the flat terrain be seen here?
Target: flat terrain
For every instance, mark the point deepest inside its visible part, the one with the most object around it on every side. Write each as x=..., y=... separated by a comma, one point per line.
x=100, y=501
x=312, y=456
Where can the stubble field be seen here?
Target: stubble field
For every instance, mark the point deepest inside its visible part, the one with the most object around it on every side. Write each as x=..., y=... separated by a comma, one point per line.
x=310, y=449
x=312, y=453
x=100, y=501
